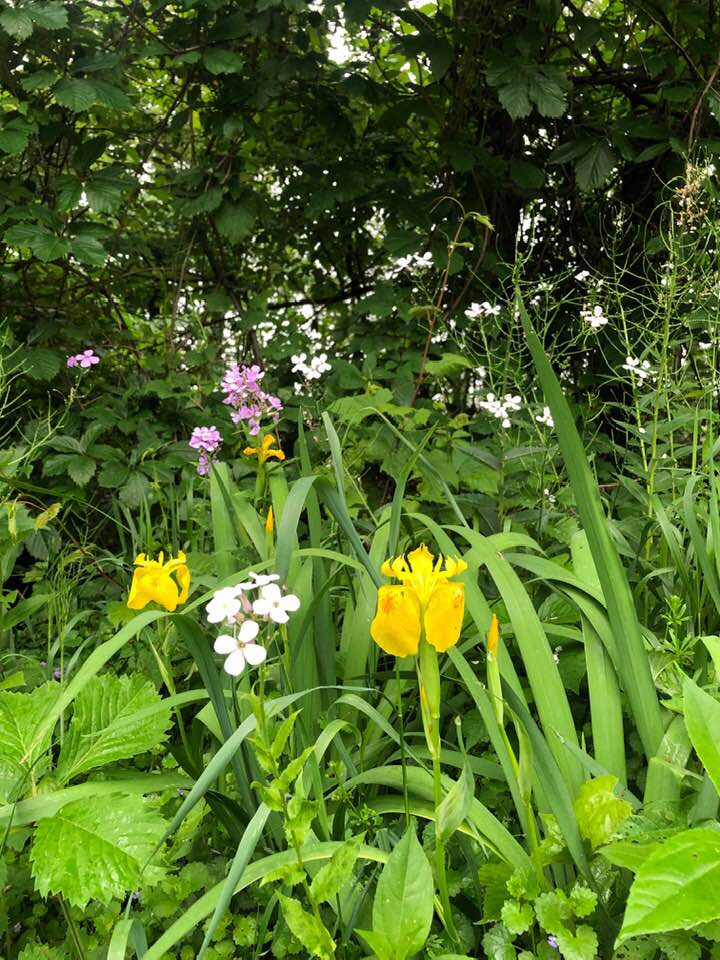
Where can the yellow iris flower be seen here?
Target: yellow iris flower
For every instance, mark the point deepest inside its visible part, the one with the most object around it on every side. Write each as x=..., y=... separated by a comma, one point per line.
x=165, y=583
x=264, y=451
x=425, y=598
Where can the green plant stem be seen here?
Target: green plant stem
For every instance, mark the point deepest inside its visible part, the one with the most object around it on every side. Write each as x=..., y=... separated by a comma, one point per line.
x=403, y=756
x=75, y=936
x=440, y=852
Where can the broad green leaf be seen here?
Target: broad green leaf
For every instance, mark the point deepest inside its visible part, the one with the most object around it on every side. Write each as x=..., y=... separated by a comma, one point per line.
x=40, y=951
x=20, y=714
x=81, y=469
x=17, y=22
x=75, y=94
x=234, y=221
x=671, y=888
x=448, y=365
x=702, y=719
x=42, y=363
x=580, y=945
x=95, y=849
x=49, y=16
x=69, y=191
x=332, y=876
x=114, y=718
x=547, y=91
x=44, y=244
x=457, y=802
x=378, y=943
x=497, y=944
x=599, y=812
x=104, y=193
x=113, y=474
x=517, y=917
x=310, y=931
x=14, y=135
x=403, y=905
x=219, y=60
x=88, y=250
x=594, y=167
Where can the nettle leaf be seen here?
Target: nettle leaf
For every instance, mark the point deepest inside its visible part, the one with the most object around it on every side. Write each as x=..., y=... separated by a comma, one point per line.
x=594, y=167
x=42, y=363
x=20, y=715
x=403, y=905
x=81, y=469
x=670, y=891
x=75, y=94
x=310, y=931
x=599, y=812
x=95, y=849
x=17, y=22
x=114, y=718
x=332, y=876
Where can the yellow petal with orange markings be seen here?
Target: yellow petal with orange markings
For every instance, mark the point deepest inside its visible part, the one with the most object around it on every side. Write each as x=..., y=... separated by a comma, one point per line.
x=444, y=615
x=396, y=627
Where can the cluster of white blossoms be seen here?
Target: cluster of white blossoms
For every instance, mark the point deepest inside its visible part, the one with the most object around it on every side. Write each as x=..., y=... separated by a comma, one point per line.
x=313, y=368
x=641, y=368
x=545, y=418
x=485, y=309
x=232, y=607
x=501, y=408
x=595, y=318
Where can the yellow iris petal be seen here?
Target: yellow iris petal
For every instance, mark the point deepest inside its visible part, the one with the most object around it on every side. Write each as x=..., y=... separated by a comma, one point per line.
x=166, y=583
x=265, y=450
x=396, y=627
x=444, y=615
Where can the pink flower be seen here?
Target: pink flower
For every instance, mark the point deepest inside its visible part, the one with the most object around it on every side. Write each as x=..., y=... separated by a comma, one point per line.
x=250, y=403
x=85, y=359
x=205, y=438
x=72, y=361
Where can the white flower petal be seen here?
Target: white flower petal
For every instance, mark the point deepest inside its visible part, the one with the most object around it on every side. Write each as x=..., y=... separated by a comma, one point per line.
x=278, y=615
x=225, y=644
x=235, y=663
x=291, y=603
x=262, y=607
x=254, y=653
x=271, y=592
x=248, y=631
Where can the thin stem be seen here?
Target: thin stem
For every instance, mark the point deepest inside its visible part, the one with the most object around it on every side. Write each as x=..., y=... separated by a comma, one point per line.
x=403, y=756
x=77, y=943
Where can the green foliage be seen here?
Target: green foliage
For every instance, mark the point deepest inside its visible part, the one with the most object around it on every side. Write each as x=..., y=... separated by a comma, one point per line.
x=599, y=811
x=21, y=762
x=95, y=849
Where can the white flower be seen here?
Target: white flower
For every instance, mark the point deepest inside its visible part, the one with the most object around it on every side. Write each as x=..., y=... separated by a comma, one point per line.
x=546, y=418
x=272, y=604
x=224, y=606
x=241, y=649
x=595, y=318
x=641, y=369
x=263, y=579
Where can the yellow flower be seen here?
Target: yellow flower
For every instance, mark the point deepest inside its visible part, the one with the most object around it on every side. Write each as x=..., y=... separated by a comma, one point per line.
x=165, y=583
x=426, y=598
x=270, y=521
x=493, y=637
x=263, y=452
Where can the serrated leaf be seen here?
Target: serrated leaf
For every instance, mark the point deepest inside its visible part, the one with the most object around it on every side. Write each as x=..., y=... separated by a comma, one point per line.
x=517, y=917
x=310, y=931
x=133, y=492
x=114, y=718
x=456, y=804
x=598, y=811
x=17, y=22
x=75, y=94
x=42, y=363
x=88, y=250
x=702, y=719
x=205, y=202
x=332, y=876
x=497, y=944
x=111, y=96
x=81, y=469
x=594, y=167
x=448, y=365
x=113, y=474
x=44, y=244
x=14, y=135
x=49, y=16
x=548, y=94
x=104, y=193
x=403, y=905
x=670, y=891
x=514, y=96
x=95, y=849
x=580, y=945
x=69, y=190
x=40, y=951
x=39, y=80
x=20, y=715
x=219, y=60
x=234, y=221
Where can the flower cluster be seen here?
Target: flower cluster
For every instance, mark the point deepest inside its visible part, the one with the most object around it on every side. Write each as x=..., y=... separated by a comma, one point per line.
x=232, y=607
x=243, y=392
x=85, y=359
x=207, y=441
x=594, y=318
x=486, y=309
x=546, y=418
x=312, y=369
x=501, y=408
x=641, y=369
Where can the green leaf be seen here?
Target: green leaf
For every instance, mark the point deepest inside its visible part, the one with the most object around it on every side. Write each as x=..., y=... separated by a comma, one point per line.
x=594, y=167
x=49, y=16
x=81, y=469
x=332, y=876
x=17, y=22
x=39, y=80
x=104, y=193
x=14, y=135
x=448, y=365
x=403, y=905
x=20, y=714
x=95, y=849
x=133, y=492
x=702, y=719
x=113, y=474
x=40, y=951
x=42, y=363
x=234, y=221
x=310, y=931
x=219, y=60
x=88, y=250
x=581, y=945
x=670, y=891
x=511, y=80
x=69, y=190
x=114, y=718
x=378, y=943
x=76, y=95
x=517, y=917
x=44, y=244
x=548, y=93
x=599, y=812
x=456, y=804
x=497, y=944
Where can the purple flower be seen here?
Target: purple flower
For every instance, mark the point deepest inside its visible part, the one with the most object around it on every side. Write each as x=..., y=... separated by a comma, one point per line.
x=72, y=361
x=205, y=438
x=85, y=359
x=57, y=674
x=552, y=942
x=250, y=403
